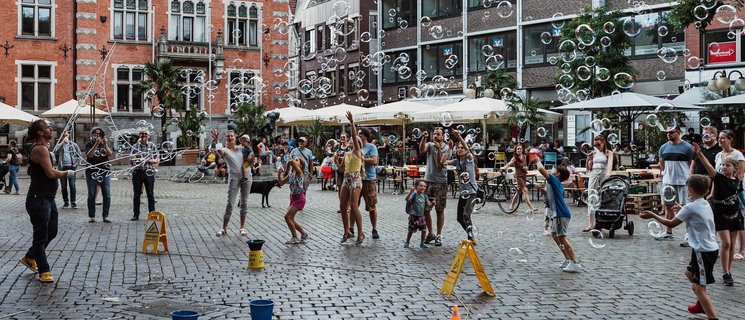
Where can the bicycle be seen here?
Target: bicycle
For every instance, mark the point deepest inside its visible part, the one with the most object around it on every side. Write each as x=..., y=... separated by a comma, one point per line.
x=501, y=190
x=190, y=174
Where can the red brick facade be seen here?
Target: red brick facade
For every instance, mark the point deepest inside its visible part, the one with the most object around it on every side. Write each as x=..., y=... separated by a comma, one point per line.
x=86, y=27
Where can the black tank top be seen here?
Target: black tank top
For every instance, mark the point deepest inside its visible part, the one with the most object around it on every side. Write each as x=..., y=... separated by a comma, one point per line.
x=40, y=185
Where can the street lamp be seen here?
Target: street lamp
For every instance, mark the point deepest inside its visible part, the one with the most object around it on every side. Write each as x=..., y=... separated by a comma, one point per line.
x=723, y=83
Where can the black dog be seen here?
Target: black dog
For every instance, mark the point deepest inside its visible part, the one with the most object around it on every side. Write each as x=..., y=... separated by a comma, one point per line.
x=264, y=187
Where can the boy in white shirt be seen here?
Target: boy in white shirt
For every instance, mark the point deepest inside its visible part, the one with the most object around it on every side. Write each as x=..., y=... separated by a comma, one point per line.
x=699, y=221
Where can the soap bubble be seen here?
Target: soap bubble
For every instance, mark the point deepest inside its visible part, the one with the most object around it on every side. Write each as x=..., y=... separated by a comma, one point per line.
x=669, y=194
x=477, y=149
x=586, y=149
x=541, y=132
x=597, y=126
x=609, y=27
x=597, y=240
x=491, y=156
x=593, y=201
x=654, y=228
x=416, y=133
x=531, y=237
x=446, y=119
x=529, y=215
x=705, y=122
x=464, y=178
x=517, y=255
x=706, y=137
x=473, y=230
x=652, y=120
x=613, y=139
x=521, y=117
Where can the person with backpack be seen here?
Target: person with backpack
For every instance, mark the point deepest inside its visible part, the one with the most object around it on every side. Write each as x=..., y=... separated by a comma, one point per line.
x=14, y=159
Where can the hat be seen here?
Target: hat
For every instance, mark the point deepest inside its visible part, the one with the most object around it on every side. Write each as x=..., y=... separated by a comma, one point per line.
x=245, y=136
x=303, y=139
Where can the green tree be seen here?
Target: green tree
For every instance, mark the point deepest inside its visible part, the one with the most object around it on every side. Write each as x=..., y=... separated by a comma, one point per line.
x=163, y=86
x=591, y=54
x=699, y=12
x=317, y=133
x=498, y=80
x=526, y=112
x=247, y=117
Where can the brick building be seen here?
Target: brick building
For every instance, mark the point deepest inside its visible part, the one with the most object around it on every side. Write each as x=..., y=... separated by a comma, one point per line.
x=54, y=50
x=331, y=40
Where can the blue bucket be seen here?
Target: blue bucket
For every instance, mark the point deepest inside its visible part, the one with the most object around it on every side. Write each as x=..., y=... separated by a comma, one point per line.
x=261, y=309
x=184, y=315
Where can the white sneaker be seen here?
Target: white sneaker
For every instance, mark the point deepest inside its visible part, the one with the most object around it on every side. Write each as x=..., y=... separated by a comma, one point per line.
x=565, y=263
x=293, y=240
x=572, y=267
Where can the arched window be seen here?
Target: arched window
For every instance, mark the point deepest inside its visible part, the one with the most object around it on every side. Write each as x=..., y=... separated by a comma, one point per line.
x=187, y=21
x=130, y=20
x=243, y=24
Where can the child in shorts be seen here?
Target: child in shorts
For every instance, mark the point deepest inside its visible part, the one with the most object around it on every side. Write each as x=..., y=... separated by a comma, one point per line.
x=297, y=198
x=416, y=203
x=700, y=227
x=559, y=214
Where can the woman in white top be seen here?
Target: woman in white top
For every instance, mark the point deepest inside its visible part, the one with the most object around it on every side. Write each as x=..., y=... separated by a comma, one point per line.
x=599, y=166
x=726, y=138
x=233, y=155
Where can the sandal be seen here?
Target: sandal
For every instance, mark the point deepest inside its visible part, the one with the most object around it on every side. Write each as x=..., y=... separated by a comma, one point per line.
x=738, y=256
x=243, y=232
x=221, y=232
x=346, y=237
x=360, y=239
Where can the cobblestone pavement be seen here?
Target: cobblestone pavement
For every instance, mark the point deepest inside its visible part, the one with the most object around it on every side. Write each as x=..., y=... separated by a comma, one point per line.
x=101, y=273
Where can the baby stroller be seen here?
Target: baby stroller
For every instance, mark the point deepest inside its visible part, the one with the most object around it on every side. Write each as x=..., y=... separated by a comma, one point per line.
x=612, y=212
x=3, y=172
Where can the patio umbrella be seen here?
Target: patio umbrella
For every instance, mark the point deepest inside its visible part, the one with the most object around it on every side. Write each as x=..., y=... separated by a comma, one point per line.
x=728, y=101
x=627, y=106
x=289, y=112
x=331, y=115
x=690, y=98
x=74, y=108
x=14, y=116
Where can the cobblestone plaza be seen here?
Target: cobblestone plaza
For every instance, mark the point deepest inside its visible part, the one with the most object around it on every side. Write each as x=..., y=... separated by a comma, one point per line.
x=101, y=273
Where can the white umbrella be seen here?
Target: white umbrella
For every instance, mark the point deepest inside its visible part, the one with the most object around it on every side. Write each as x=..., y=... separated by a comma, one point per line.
x=470, y=110
x=627, y=105
x=389, y=113
x=329, y=115
x=690, y=98
x=289, y=112
x=14, y=116
x=467, y=110
x=729, y=101
x=74, y=108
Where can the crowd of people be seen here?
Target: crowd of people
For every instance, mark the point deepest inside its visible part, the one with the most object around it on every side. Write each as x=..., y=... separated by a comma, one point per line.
x=706, y=178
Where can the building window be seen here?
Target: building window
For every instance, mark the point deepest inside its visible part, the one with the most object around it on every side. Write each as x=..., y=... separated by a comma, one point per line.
x=241, y=88
x=187, y=21
x=405, y=10
x=36, y=88
x=312, y=77
x=441, y=8
x=328, y=37
x=443, y=59
x=193, y=100
x=504, y=44
x=319, y=38
x=536, y=51
x=243, y=24
x=649, y=39
x=354, y=79
x=36, y=18
x=129, y=94
x=486, y=4
x=719, y=47
x=402, y=68
x=130, y=19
